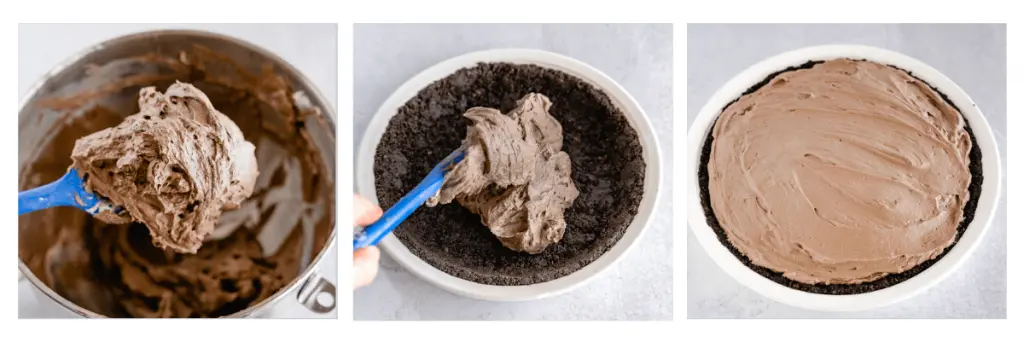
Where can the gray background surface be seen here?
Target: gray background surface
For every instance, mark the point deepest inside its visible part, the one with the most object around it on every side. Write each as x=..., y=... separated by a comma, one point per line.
x=973, y=56
x=311, y=48
x=639, y=57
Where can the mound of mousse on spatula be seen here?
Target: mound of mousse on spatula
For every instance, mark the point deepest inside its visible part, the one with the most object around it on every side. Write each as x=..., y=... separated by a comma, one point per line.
x=175, y=166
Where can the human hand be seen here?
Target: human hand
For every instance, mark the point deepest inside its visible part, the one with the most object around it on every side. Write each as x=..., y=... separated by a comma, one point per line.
x=365, y=260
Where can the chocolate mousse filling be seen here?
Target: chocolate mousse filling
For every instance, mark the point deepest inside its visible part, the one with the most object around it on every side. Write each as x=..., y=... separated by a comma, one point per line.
x=607, y=168
x=840, y=176
x=174, y=166
x=514, y=174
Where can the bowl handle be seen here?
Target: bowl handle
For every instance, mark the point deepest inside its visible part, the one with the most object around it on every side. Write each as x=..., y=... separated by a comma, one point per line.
x=311, y=290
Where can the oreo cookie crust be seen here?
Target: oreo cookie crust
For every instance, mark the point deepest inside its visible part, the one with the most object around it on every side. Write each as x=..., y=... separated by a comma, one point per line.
x=970, y=207
x=607, y=167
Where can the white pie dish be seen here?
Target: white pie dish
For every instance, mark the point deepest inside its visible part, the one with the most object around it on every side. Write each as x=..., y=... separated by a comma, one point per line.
x=990, y=189
x=365, y=184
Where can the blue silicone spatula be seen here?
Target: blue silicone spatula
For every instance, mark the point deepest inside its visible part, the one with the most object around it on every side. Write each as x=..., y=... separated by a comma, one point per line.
x=372, y=234
x=68, y=191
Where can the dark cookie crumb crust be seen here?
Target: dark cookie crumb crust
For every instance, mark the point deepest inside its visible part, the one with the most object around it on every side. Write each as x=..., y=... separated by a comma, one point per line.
x=840, y=289
x=607, y=167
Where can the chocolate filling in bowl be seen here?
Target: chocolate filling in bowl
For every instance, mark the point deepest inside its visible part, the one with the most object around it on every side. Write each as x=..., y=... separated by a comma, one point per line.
x=115, y=270
x=607, y=168
x=973, y=189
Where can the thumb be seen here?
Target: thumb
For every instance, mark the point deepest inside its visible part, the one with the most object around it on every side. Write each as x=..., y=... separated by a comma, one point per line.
x=365, y=212
x=365, y=264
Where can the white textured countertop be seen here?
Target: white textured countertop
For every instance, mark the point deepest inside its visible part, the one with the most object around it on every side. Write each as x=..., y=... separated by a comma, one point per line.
x=639, y=57
x=311, y=48
x=973, y=56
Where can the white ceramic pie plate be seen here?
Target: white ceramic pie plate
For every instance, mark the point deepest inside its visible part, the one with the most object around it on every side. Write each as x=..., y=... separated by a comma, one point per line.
x=907, y=289
x=634, y=114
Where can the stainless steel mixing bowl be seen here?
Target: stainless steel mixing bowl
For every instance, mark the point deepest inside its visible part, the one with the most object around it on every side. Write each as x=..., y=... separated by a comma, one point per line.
x=72, y=77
